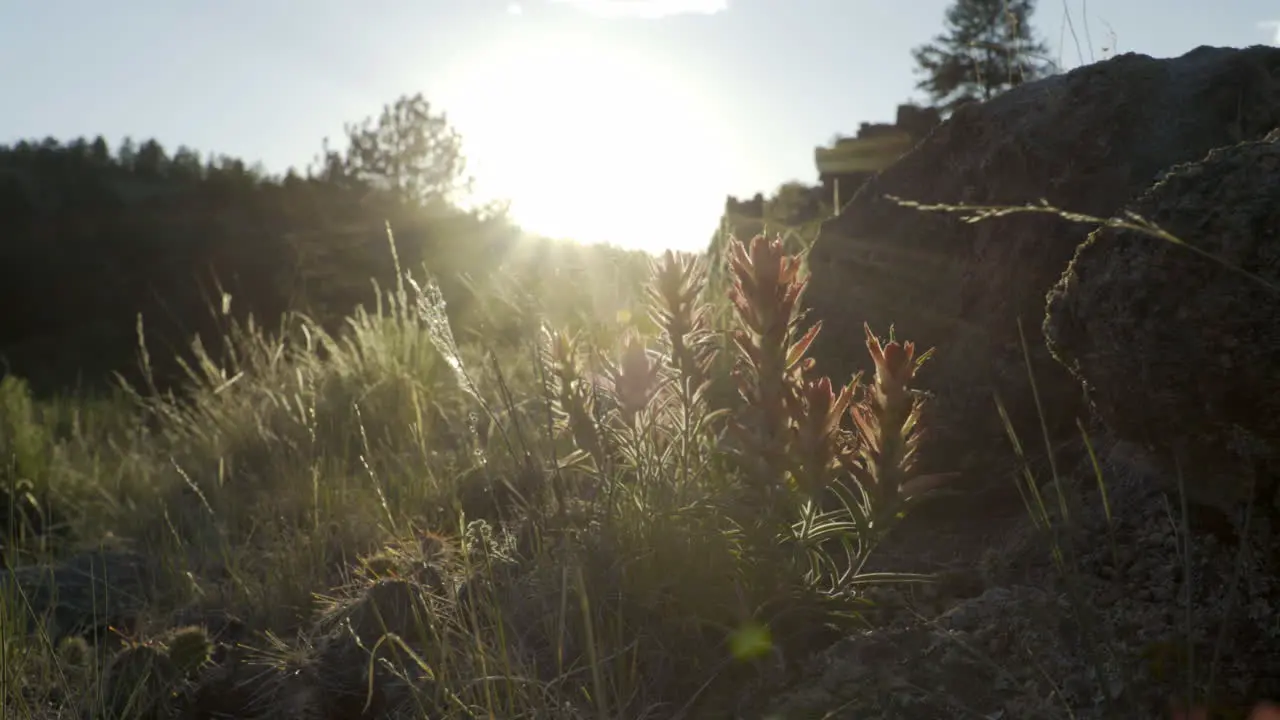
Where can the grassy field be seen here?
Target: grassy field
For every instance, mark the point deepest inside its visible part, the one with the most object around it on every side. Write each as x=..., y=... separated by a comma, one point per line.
x=649, y=517
x=639, y=503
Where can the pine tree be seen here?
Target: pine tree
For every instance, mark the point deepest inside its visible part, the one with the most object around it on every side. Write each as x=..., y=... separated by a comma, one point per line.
x=987, y=47
x=409, y=150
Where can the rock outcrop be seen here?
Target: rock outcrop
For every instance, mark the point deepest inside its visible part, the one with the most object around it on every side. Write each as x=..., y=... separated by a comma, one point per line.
x=1109, y=633
x=85, y=594
x=1088, y=141
x=1097, y=609
x=1178, y=352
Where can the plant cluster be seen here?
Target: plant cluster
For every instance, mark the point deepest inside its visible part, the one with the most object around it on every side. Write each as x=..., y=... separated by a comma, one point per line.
x=805, y=477
x=649, y=517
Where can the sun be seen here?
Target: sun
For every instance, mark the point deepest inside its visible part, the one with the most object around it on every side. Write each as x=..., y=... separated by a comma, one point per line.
x=591, y=141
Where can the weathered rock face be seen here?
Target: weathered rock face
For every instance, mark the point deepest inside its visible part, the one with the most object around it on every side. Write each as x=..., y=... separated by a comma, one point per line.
x=1176, y=351
x=1087, y=141
x=1104, y=637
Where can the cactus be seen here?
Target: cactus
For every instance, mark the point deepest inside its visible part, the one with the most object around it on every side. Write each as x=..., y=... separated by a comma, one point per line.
x=139, y=682
x=189, y=648
x=74, y=651
x=389, y=606
x=383, y=564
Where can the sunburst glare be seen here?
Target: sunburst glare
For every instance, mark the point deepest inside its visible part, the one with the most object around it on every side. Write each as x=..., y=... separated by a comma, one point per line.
x=592, y=141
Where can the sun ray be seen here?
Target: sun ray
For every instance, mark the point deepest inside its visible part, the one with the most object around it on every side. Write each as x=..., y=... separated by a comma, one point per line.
x=591, y=141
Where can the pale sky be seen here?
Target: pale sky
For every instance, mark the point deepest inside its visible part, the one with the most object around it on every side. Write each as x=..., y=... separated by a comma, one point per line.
x=625, y=121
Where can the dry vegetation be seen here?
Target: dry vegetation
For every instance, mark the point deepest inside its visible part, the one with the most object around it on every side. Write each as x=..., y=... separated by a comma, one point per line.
x=637, y=516
x=390, y=522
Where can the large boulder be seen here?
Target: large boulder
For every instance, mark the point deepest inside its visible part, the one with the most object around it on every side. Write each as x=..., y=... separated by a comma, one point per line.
x=1097, y=619
x=1177, y=351
x=1087, y=141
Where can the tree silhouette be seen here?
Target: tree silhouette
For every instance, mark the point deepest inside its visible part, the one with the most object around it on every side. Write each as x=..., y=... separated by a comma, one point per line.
x=100, y=152
x=987, y=47
x=408, y=150
x=96, y=235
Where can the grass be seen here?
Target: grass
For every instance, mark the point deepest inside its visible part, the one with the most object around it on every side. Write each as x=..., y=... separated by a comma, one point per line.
x=661, y=517
x=391, y=521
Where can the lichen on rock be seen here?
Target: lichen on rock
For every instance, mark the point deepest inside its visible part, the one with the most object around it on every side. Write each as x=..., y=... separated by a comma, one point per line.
x=1179, y=352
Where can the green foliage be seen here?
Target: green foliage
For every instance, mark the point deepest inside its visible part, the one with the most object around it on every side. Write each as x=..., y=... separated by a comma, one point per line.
x=455, y=468
x=550, y=481
x=409, y=150
x=26, y=444
x=95, y=239
x=629, y=566
x=987, y=47
x=24, y=440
